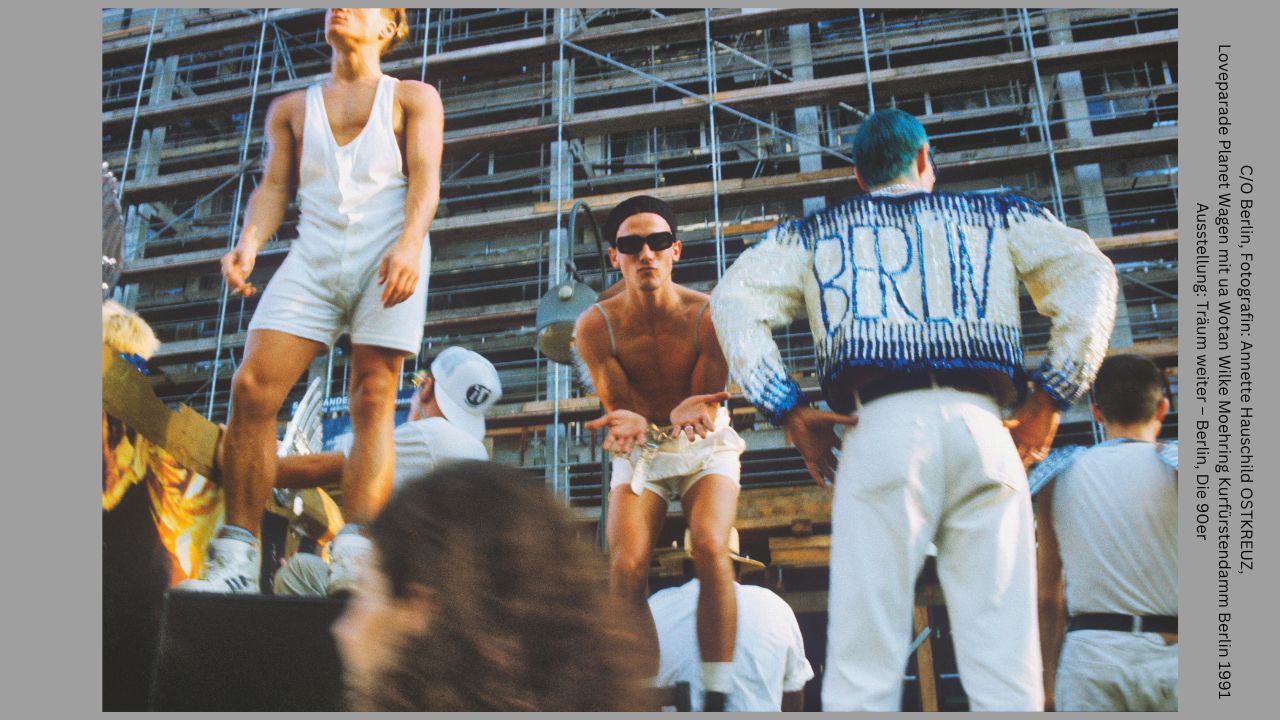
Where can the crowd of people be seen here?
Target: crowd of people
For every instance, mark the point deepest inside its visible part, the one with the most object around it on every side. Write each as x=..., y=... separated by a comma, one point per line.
x=468, y=586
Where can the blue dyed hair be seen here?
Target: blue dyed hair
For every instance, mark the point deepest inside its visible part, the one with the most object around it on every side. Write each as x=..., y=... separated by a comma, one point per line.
x=885, y=145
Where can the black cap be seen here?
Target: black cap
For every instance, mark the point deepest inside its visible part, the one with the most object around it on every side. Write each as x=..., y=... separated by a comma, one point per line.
x=634, y=206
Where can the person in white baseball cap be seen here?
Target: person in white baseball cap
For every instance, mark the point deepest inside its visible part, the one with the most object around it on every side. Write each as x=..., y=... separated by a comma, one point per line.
x=446, y=422
x=466, y=386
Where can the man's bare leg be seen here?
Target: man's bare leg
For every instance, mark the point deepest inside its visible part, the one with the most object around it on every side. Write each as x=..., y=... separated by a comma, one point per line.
x=710, y=507
x=273, y=362
x=368, y=473
x=632, y=529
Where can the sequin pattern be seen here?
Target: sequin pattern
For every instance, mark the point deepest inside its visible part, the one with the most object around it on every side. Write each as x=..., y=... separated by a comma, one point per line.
x=924, y=280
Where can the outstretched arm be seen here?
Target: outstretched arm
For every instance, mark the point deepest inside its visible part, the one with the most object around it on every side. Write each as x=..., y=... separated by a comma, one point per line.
x=424, y=145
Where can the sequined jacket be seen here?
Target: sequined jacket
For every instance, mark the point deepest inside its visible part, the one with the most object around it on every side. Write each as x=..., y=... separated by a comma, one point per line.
x=911, y=282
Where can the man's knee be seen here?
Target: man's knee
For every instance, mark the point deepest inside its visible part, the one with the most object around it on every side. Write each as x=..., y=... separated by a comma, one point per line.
x=630, y=572
x=253, y=396
x=709, y=547
x=372, y=394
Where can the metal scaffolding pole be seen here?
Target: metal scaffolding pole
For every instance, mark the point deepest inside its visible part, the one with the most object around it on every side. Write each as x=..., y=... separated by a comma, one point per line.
x=553, y=272
x=426, y=40
x=1024, y=19
x=137, y=104
x=232, y=234
x=866, y=61
x=714, y=142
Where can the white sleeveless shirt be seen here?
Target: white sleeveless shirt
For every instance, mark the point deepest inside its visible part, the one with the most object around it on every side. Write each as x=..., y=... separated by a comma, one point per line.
x=351, y=196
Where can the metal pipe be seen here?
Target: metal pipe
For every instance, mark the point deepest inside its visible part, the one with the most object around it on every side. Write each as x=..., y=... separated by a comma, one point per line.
x=866, y=61
x=718, y=105
x=426, y=40
x=235, y=212
x=595, y=228
x=553, y=272
x=714, y=142
x=1025, y=20
x=137, y=103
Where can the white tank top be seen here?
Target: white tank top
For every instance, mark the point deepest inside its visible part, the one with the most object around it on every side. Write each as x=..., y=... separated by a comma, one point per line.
x=1115, y=512
x=351, y=196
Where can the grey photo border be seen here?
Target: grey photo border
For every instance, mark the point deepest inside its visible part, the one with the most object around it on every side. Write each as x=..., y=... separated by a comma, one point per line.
x=54, y=599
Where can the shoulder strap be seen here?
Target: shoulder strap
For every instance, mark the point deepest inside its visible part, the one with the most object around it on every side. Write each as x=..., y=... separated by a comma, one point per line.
x=613, y=345
x=697, y=323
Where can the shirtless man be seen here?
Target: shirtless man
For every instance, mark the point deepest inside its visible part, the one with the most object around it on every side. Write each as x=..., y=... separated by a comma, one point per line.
x=654, y=360
x=363, y=152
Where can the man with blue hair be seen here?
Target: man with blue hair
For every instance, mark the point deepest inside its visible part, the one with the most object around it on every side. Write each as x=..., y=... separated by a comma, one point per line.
x=912, y=299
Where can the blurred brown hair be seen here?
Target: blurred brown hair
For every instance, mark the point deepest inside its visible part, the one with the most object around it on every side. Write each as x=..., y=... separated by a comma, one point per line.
x=521, y=614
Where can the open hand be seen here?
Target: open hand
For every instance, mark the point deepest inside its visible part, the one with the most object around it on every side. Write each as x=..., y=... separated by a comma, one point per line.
x=693, y=416
x=812, y=431
x=398, y=274
x=626, y=429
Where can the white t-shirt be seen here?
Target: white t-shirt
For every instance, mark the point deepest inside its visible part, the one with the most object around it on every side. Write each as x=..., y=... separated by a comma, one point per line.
x=1115, y=512
x=768, y=658
x=422, y=444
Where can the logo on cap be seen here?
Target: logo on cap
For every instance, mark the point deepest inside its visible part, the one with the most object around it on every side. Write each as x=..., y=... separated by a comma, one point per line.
x=477, y=394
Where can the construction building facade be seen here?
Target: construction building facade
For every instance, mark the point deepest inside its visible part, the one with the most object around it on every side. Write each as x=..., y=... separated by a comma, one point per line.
x=545, y=108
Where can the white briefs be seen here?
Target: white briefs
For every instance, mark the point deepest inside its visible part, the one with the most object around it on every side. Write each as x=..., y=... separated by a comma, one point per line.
x=677, y=464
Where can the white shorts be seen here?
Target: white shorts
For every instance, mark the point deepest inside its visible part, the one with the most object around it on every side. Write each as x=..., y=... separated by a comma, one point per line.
x=679, y=464
x=319, y=295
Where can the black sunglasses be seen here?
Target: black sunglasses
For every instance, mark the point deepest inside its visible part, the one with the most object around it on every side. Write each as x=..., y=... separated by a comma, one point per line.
x=657, y=242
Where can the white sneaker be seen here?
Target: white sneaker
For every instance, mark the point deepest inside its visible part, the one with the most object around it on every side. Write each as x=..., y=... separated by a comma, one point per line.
x=349, y=553
x=230, y=566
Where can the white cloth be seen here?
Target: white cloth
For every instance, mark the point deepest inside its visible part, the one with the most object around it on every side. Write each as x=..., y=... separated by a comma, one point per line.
x=423, y=444
x=351, y=200
x=1115, y=514
x=675, y=465
x=920, y=466
x=1105, y=670
x=768, y=657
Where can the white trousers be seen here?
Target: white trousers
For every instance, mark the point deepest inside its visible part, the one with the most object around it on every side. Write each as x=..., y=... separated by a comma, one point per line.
x=1102, y=670
x=932, y=465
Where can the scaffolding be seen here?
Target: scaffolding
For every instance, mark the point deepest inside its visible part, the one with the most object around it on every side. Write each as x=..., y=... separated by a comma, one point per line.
x=739, y=118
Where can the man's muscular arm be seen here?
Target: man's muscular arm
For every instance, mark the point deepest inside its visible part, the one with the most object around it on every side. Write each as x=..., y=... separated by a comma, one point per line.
x=695, y=416
x=424, y=144
x=626, y=426
x=267, y=203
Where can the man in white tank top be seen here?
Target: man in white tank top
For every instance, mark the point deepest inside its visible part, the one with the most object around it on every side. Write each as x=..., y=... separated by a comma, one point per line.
x=363, y=151
x=1107, y=523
